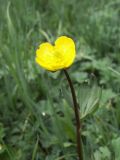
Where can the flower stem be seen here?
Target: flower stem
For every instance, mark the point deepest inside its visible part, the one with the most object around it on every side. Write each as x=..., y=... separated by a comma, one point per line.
x=77, y=117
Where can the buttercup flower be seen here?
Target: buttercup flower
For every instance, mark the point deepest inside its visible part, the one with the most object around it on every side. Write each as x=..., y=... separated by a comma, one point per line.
x=58, y=56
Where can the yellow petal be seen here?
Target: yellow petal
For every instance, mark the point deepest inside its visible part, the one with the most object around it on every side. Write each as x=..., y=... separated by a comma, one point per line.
x=66, y=47
x=44, y=55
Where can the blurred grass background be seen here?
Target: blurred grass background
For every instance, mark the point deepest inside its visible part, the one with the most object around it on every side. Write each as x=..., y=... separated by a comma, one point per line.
x=36, y=116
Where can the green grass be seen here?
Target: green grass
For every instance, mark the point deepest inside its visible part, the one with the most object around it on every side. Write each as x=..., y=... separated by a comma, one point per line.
x=36, y=115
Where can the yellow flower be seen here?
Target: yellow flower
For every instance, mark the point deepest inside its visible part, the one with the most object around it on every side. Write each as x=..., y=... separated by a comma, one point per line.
x=58, y=56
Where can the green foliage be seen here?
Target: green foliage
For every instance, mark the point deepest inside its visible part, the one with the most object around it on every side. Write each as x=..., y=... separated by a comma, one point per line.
x=36, y=115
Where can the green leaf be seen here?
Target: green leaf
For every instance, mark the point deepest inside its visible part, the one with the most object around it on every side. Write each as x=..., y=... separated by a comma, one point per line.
x=116, y=147
x=89, y=98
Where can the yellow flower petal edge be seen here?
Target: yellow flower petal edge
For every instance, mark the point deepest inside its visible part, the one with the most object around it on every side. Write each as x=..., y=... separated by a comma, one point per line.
x=58, y=56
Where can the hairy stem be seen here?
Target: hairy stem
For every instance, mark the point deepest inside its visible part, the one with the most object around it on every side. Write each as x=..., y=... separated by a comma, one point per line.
x=77, y=117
